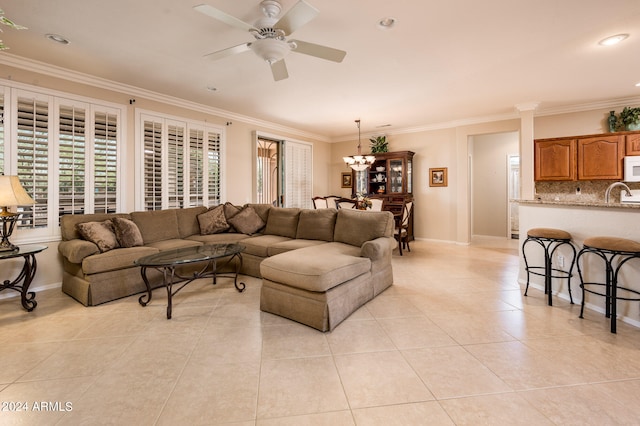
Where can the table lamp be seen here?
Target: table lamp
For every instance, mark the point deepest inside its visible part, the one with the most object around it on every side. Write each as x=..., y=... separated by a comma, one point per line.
x=11, y=194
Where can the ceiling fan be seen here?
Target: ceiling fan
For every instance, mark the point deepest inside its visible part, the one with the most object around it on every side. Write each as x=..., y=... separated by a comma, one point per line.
x=270, y=34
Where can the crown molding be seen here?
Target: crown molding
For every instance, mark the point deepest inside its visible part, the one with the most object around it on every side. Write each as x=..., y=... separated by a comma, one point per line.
x=102, y=83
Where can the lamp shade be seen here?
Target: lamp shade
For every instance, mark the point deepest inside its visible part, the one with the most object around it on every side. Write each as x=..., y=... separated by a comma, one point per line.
x=12, y=193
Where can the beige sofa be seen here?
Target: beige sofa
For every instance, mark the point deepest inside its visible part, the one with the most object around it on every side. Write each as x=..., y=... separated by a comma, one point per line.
x=317, y=266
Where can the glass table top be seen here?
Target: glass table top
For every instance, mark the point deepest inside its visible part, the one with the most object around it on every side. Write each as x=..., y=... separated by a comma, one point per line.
x=22, y=251
x=190, y=254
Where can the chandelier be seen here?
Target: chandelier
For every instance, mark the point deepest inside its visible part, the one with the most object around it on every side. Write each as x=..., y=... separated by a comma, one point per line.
x=359, y=162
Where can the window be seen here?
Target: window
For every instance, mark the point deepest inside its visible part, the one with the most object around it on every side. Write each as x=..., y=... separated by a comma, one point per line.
x=180, y=164
x=65, y=152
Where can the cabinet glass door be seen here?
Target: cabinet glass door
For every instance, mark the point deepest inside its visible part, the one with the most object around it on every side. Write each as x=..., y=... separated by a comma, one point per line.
x=395, y=176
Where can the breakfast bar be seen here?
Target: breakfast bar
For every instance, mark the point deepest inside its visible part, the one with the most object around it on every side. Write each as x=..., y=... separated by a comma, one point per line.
x=582, y=221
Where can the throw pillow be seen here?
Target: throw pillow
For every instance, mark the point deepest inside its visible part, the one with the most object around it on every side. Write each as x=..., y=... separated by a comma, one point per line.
x=247, y=221
x=127, y=232
x=99, y=233
x=230, y=211
x=213, y=221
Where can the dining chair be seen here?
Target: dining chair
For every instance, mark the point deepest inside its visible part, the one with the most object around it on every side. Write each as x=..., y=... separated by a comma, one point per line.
x=401, y=233
x=319, y=202
x=376, y=204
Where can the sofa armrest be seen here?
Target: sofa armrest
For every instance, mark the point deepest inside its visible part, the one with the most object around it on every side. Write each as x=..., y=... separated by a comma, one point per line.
x=377, y=248
x=76, y=250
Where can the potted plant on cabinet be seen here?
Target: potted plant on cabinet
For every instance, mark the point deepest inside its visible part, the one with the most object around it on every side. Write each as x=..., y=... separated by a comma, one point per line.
x=379, y=144
x=629, y=119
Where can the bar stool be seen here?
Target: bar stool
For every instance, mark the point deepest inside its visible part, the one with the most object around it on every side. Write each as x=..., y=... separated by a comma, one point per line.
x=615, y=252
x=549, y=239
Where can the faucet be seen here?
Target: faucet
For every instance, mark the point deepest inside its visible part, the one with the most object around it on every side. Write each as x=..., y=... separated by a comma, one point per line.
x=613, y=185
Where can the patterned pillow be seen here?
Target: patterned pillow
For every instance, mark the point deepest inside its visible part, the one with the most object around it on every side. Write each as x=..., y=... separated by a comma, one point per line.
x=213, y=221
x=127, y=232
x=247, y=221
x=99, y=233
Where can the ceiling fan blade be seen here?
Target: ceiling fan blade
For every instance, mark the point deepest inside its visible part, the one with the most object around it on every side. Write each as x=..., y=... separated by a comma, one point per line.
x=301, y=13
x=279, y=70
x=319, y=51
x=223, y=17
x=228, y=52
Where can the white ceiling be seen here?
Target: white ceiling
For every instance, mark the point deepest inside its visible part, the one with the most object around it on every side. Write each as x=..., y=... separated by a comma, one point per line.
x=444, y=61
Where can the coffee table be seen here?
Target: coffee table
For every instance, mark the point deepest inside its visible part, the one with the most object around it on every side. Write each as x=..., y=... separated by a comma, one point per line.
x=167, y=262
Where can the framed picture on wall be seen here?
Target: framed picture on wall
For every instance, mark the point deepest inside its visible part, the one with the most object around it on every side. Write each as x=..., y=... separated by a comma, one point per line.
x=438, y=176
x=346, y=179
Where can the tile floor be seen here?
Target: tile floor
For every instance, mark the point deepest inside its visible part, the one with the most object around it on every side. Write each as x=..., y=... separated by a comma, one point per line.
x=453, y=342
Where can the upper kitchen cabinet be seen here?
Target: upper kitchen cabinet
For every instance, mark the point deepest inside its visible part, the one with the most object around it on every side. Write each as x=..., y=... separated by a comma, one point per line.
x=590, y=157
x=555, y=159
x=601, y=157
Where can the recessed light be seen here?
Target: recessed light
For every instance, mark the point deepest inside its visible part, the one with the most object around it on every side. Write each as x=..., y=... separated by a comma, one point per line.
x=637, y=84
x=610, y=41
x=57, y=38
x=386, y=23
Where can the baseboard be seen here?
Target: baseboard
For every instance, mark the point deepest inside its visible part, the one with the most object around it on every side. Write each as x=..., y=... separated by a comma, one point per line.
x=12, y=294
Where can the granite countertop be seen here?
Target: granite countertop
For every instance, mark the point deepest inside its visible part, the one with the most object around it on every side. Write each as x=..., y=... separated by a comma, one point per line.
x=611, y=205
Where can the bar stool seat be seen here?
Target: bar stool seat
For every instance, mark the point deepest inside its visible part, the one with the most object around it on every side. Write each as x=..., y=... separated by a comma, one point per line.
x=550, y=239
x=615, y=252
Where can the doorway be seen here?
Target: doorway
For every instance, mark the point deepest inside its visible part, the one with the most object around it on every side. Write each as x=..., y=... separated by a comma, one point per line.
x=513, y=189
x=489, y=174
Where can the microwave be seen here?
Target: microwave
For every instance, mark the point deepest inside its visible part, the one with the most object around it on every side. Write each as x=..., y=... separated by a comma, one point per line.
x=632, y=168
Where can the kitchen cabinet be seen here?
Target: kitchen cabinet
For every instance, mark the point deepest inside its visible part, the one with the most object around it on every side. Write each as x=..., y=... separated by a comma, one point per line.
x=589, y=157
x=633, y=144
x=555, y=159
x=601, y=157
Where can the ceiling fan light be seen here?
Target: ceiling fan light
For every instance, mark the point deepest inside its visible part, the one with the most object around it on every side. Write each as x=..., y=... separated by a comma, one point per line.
x=270, y=50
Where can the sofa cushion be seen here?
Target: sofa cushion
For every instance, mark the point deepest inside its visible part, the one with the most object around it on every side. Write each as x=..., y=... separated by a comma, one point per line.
x=76, y=250
x=247, y=221
x=127, y=232
x=99, y=233
x=223, y=238
x=188, y=220
x=259, y=245
x=283, y=222
x=115, y=259
x=173, y=244
x=355, y=227
x=157, y=225
x=317, y=268
x=289, y=245
x=317, y=224
x=213, y=221
x=262, y=210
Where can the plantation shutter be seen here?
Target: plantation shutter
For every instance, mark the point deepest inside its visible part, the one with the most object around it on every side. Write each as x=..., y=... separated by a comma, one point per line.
x=72, y=154
x=105, y=162
x=152, y=165
x=175, y=166
x=196, y=167
x=33, y=159
x=2, y=139
x=298, y=174
x=214, y=159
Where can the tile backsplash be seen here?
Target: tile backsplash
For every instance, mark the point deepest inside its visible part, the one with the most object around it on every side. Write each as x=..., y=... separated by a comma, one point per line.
x=579, y=191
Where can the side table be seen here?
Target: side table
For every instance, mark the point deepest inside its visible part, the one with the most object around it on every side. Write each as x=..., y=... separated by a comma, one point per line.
x=23, y=281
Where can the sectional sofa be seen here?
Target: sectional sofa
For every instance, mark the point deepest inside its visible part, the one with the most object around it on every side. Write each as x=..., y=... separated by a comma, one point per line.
x=317, y=266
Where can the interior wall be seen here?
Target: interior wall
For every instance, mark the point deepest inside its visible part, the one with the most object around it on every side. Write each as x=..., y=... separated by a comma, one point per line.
x=489, y=189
